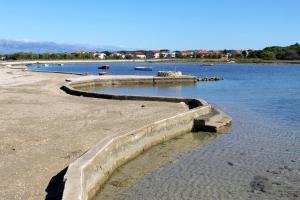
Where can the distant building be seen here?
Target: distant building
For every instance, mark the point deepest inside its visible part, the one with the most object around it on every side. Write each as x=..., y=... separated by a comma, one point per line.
x=129, y=55
x=140, y=55
x=189, y=54
x=117, y=55
x=101, y=56
x=174, y=54
x=156, y=54
x=201, y=53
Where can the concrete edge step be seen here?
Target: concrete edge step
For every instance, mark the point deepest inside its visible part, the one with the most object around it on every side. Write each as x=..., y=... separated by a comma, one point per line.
x=215, y=121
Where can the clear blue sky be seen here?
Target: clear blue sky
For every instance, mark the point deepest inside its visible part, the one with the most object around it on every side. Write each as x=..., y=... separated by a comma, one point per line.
x=154, y=24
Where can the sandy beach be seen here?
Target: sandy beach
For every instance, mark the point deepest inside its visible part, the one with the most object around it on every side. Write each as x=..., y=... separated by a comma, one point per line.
x=42, y=129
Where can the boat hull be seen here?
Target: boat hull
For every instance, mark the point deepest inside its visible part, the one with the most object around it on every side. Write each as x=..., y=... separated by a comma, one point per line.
x=143, y=68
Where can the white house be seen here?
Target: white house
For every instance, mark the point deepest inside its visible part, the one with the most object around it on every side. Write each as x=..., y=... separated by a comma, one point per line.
x=156, y=54
x=101, y=56
x=140, y=55
x=166, y=54
x=173, y=54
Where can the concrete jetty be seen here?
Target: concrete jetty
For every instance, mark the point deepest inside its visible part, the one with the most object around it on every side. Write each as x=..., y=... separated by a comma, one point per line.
x=109, y=80
x=87, y=174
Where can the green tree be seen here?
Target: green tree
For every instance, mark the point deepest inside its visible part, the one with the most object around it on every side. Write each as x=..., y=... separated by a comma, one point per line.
x=268, y=55
x=244, y=53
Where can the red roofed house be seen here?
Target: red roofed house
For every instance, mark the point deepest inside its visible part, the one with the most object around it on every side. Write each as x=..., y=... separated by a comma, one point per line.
x=156, y=54
x=139, y=55
x=202, y=53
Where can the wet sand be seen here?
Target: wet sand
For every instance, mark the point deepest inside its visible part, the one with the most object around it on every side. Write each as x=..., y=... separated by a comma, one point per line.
x=42, y=129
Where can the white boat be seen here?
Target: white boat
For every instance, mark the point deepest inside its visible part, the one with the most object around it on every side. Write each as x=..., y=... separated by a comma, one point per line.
x=102, y=73
x=46, y=65
x=206, y=64
x=143, y=68
x=60, y=64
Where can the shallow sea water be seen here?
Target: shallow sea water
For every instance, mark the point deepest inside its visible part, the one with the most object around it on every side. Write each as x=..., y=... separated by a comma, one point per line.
x=264, y=140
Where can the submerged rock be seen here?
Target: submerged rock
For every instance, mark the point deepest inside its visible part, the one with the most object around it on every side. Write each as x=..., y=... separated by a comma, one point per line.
x=260, y=183
x=210, y=79
x=117, y=183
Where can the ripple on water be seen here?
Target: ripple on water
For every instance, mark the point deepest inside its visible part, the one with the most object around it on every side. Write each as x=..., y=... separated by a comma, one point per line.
x=221, y=168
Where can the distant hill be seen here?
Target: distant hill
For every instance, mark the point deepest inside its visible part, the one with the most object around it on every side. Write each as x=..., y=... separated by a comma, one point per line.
x=14, y=46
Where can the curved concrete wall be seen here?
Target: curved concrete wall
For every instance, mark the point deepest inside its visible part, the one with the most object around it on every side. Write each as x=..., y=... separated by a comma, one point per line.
x=87, y=174
x=192, y=103
x=74, y=88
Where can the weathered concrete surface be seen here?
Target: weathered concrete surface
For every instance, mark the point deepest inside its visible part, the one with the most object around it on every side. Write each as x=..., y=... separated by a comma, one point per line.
x=115, y=80
x=43, y=129
x=213, y=122
x=86, y=175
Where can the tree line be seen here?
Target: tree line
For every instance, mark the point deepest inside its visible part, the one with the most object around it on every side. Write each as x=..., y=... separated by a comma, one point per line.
x=291, y=52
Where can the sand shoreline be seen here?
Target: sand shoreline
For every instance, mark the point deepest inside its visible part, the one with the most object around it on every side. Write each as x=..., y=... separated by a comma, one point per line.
x=40, y=132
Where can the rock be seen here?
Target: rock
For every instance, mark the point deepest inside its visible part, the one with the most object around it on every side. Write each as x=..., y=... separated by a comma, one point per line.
x=276, y=183
x=118, y=183
x=230, y=163
x=260, y=183
x=210, y=78
x=287, y=168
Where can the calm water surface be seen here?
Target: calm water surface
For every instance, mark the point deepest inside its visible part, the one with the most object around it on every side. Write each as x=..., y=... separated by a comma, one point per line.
x=264, y=101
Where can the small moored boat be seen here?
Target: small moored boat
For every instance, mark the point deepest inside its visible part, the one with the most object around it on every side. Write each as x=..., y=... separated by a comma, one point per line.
x=143, y=68
x=104, y=67
x=102, y=73
x=60, y=64
x=46, y=65
x=206, y=64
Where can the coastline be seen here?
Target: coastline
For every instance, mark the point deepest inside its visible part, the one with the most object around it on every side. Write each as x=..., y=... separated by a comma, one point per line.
x=46, y=135
x=41, y=128
x=178, y=60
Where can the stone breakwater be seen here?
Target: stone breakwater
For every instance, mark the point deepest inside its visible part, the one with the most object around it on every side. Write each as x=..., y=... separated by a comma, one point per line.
x=87, y=174
x=210, y=79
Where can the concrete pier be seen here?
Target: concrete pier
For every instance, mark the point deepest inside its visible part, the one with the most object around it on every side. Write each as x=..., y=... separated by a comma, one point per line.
x=87, y=174
x=115, y=80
